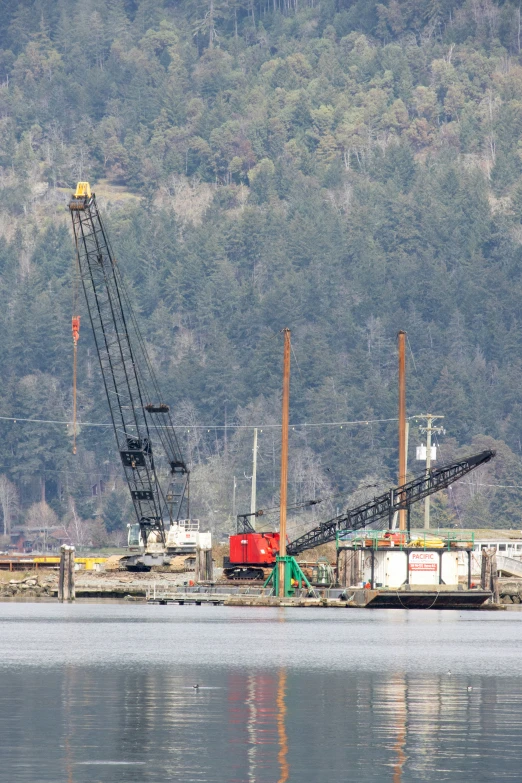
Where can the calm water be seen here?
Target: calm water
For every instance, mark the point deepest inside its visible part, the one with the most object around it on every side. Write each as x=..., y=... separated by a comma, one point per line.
x=103, y=694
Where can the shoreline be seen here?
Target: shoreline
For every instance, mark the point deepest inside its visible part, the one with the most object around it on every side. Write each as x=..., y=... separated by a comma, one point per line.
x=168, y=588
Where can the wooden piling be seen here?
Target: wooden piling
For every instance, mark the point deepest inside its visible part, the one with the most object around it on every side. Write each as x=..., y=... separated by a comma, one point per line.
x=494, y=577
x=61, y=575
x=209, y=565
x=484, y=570
x=66, y=586
x=348, y=568
x=489, y=573
x=204, y=565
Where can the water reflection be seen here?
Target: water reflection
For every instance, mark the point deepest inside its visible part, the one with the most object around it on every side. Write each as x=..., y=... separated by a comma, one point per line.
x=68, y=753
x=252, y=701
x=154, y=721
x=257, y=729
x=397, y=695
x=281, y=727
x=121, y=722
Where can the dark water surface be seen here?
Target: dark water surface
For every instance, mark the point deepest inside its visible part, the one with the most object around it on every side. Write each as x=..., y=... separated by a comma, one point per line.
x=96, y=693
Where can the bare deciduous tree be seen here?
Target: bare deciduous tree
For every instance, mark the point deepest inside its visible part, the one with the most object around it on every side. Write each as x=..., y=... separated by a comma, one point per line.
x=41, y=515
x=76, y=527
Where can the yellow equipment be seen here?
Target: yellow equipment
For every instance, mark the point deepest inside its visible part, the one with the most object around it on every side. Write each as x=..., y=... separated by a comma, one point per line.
x=429, y=542
x=84, y=563
x=83, y=190
x=81, y=197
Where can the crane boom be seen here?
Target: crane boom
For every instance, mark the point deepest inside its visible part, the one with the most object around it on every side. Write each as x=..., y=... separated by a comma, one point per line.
x=128, y=376
x=386, y=505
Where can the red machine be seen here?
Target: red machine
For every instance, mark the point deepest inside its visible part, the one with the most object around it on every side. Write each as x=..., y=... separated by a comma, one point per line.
x=254, y=548
x=252, y=555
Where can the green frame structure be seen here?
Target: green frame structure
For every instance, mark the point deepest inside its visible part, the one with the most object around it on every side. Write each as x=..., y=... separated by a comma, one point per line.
x=292, y=571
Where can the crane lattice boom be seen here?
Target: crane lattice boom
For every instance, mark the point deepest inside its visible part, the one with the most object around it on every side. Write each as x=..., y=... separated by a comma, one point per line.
x=385, y=506
x=127, y=374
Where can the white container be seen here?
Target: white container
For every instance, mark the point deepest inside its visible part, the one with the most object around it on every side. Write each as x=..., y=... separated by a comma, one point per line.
x=394, y=567
x=390, y=567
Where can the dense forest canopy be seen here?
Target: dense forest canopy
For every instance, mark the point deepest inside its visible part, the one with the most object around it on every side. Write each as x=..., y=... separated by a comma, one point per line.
x=347, y=168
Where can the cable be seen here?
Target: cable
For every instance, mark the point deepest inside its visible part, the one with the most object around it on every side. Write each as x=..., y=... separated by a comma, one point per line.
x=310, y=503
x=480, y=484
x=451, y=493
x=51, y=421
x=189, y=427
x=411, y=351
x=295, y=360
x=275, y=509
x=75, y=334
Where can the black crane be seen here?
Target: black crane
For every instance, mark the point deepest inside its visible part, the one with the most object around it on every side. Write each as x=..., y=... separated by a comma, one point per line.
x=385, y=506
x=137, y=409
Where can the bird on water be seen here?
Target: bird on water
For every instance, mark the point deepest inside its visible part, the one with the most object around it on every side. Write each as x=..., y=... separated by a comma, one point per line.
x=196, y=687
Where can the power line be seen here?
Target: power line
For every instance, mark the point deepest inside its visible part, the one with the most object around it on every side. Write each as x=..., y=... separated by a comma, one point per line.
x=480, y=484
x=109, y=475
x=16, y=419
x=188, y=427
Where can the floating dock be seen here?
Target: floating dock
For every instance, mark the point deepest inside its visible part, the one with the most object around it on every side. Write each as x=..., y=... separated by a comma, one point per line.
x=427, y=597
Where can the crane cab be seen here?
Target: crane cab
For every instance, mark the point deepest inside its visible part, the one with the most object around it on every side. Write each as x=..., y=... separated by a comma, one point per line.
x=134, y=539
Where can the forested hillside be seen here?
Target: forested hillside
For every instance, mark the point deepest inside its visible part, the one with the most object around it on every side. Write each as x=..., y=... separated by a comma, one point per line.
x=347, y=168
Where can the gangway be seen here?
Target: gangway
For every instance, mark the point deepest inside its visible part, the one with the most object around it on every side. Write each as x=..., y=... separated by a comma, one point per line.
x=509, y=566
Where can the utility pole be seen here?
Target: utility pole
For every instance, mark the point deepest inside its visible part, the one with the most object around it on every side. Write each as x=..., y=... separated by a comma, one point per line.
x=234, y=499
x=226, y=444
x=406, y=446
x=428, y=429
x=253, y=499
x=284, y=462
x=402, y=421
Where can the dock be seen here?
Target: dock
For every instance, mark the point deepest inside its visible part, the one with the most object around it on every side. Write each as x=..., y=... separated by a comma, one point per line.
x=421, y=598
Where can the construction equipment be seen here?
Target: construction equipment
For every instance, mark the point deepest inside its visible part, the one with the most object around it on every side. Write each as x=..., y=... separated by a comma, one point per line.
x=323, y=574
x=252, y=555
x=385, y=506
x=249, y=553
x=153, y=464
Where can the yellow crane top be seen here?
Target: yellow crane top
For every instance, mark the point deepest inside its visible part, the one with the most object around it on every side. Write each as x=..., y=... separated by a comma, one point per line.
x=83, y=190
x=81, y=197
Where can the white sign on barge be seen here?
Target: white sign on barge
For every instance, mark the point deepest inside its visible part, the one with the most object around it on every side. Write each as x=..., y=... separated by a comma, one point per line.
x=394, y=567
